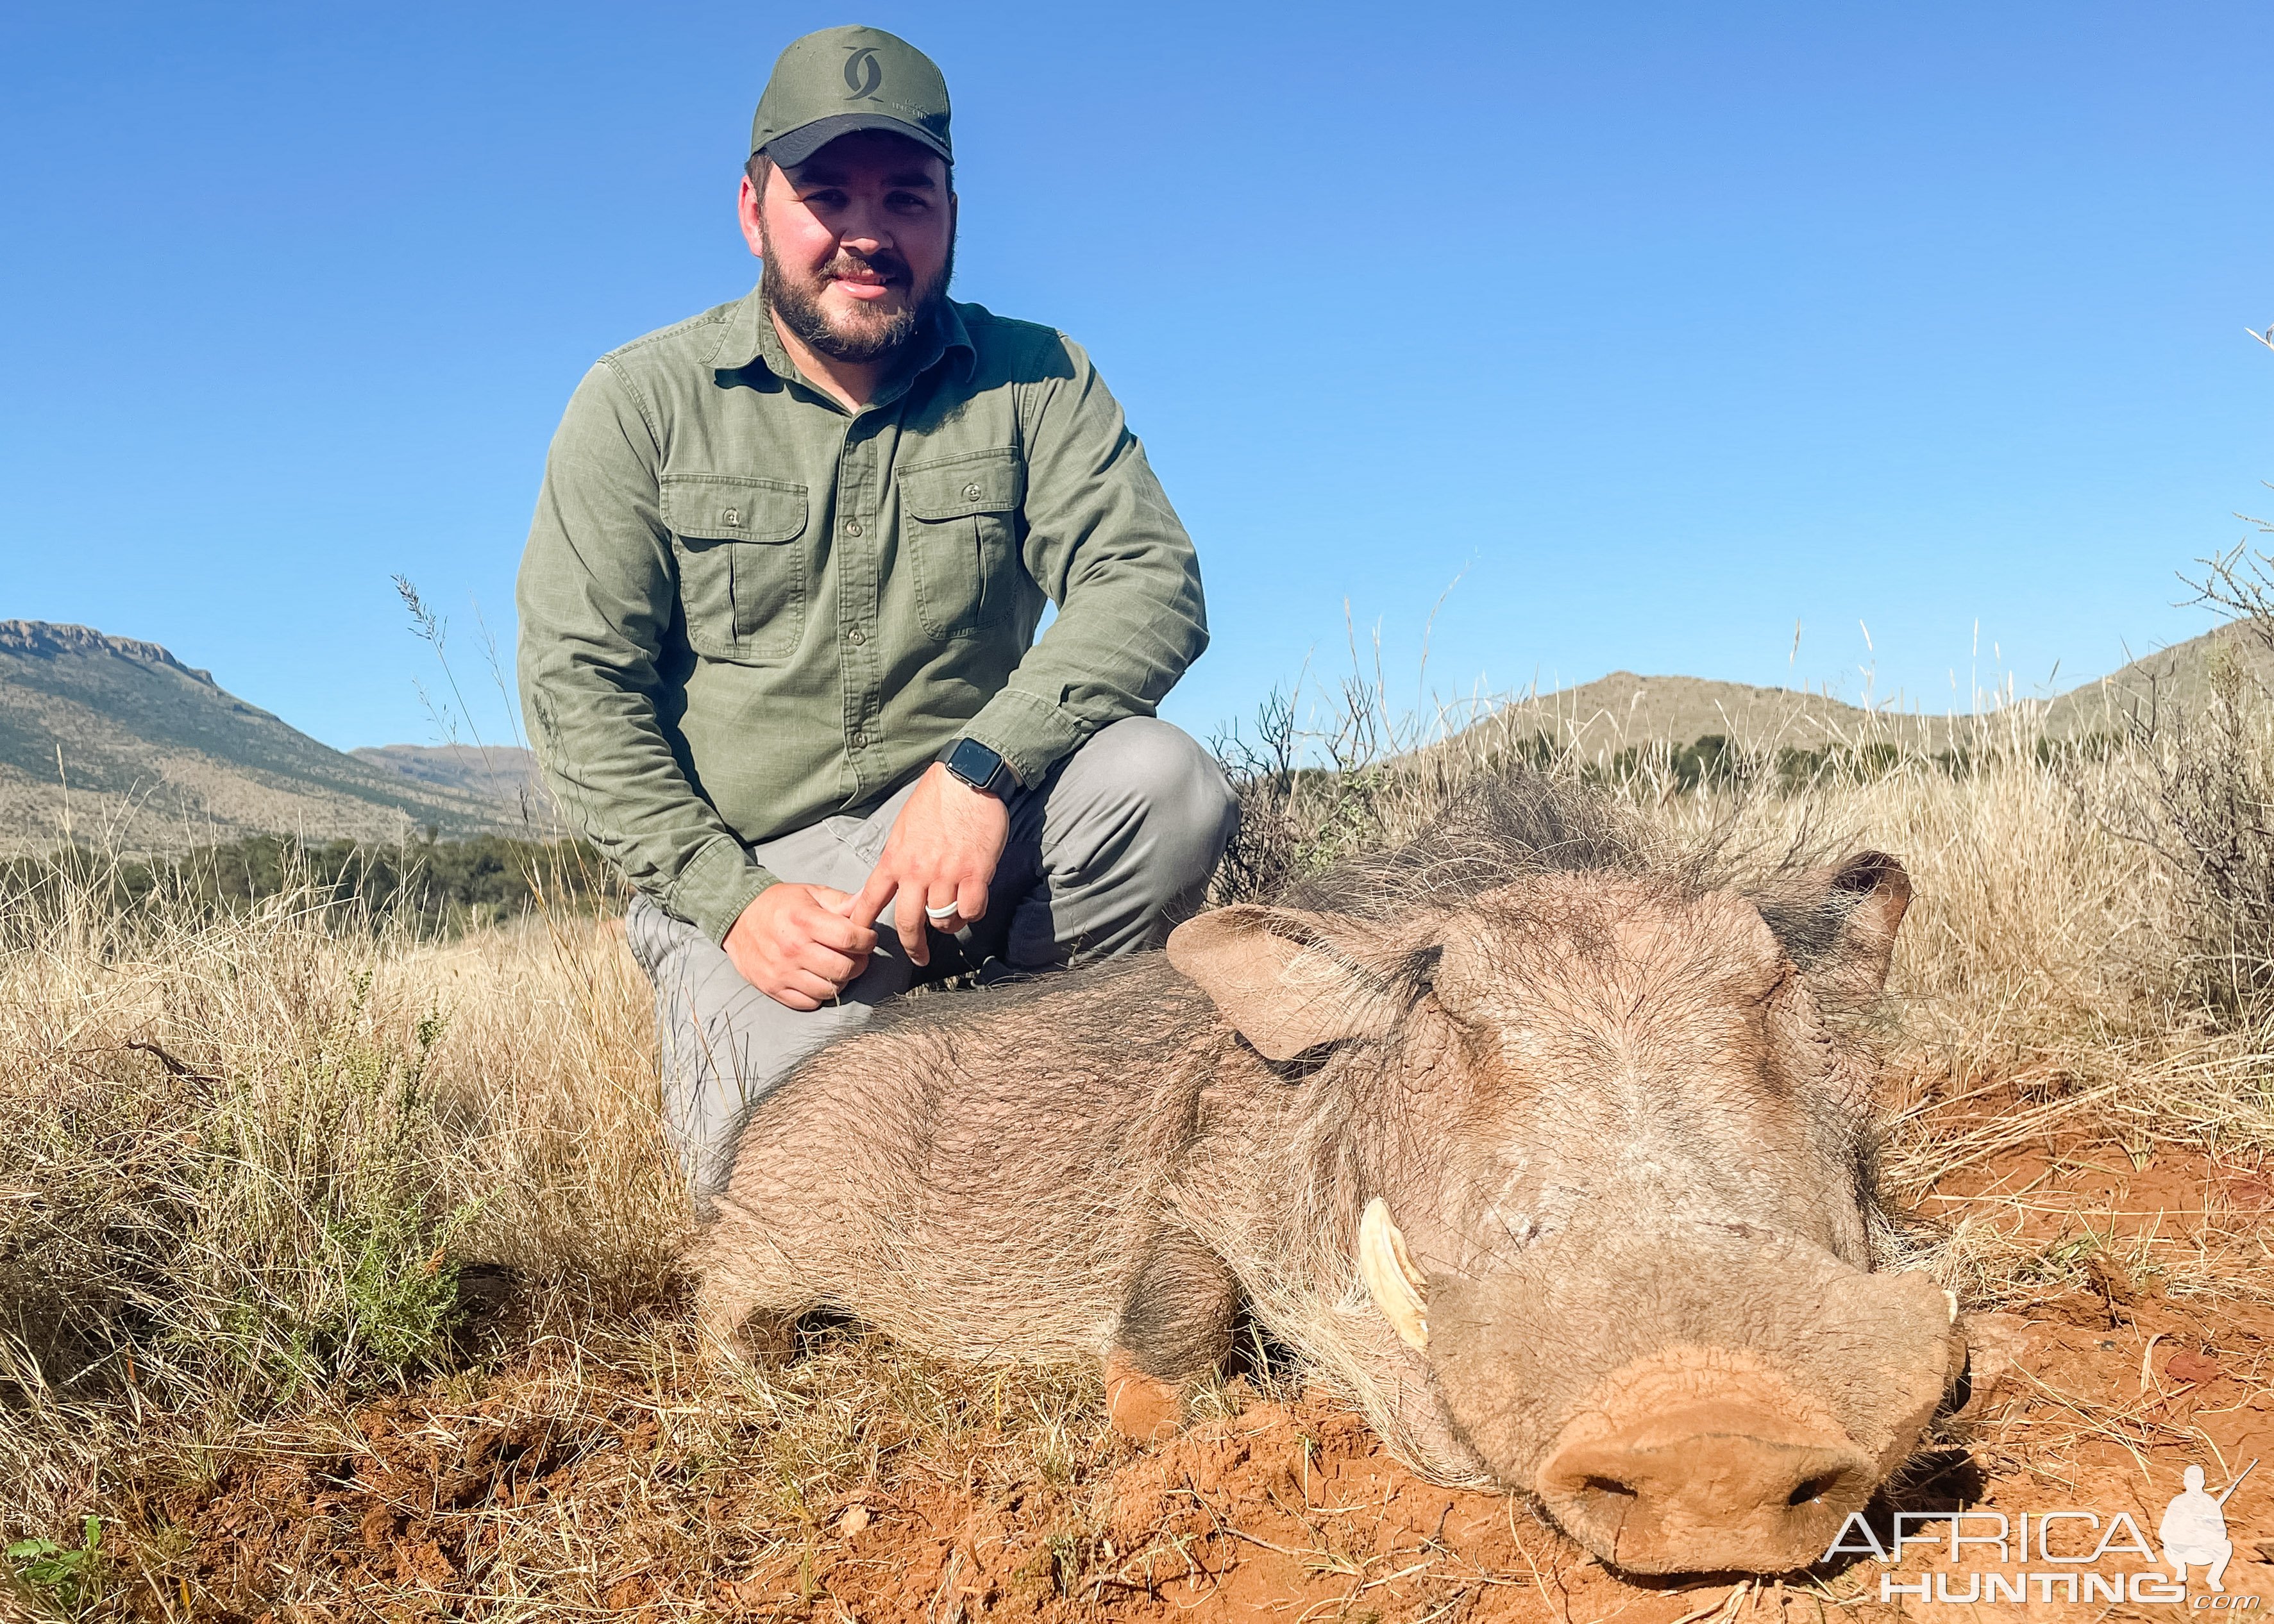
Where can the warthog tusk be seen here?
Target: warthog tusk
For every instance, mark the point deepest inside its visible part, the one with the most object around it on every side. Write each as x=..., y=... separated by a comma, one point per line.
x=1949, y=1297
x=1388, y=1269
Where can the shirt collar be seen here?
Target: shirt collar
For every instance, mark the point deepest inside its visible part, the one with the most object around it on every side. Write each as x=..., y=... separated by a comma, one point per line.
x=750, y=340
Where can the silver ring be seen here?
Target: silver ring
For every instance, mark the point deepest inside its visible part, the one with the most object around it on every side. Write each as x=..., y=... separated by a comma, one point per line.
x=946, y=912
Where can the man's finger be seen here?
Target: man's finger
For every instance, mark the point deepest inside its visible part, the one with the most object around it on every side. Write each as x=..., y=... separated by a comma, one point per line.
x=971, y=900
x=870, y=902
x=942, y=911
x=908, y=918
x=823, y=989
x=830, y=965
x=840, y=934
x=788, y=996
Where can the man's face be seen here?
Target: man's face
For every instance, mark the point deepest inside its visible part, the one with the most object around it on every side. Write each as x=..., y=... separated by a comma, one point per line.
x=859, y=242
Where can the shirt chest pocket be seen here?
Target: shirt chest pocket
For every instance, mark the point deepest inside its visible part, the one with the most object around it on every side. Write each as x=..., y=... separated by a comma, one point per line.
x=959, y=535
x=744, y=563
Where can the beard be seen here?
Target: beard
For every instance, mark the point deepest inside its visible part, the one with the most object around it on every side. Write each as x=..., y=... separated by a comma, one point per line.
x=864, y=335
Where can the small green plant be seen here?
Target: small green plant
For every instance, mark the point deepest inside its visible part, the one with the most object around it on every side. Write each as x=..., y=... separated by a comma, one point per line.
x=71, y=1578
x=336, y=1258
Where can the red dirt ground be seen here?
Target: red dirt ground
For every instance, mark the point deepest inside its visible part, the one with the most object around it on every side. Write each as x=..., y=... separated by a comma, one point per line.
x=1286, y=1511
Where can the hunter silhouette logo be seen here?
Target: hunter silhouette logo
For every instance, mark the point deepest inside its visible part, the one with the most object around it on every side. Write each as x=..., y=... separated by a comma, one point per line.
x=2066, y=1555
x=864, y=73
x=2194, y=1530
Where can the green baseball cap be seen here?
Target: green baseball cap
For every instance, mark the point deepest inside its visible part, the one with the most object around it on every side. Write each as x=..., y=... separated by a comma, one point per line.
x=842, y=79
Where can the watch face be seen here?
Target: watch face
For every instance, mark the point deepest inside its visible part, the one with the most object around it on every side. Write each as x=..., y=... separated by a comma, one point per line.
x=975, y=764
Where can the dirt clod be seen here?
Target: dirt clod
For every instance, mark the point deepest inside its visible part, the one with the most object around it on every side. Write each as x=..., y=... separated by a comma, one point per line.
x=2192, y=1367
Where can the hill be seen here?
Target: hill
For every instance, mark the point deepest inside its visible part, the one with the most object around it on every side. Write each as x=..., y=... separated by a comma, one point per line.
x=116, y=740
x=154, y=756
x=1623, y=709
x=2176, y=679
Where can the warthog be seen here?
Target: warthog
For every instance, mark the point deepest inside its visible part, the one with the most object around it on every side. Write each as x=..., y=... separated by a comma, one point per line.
x=1556, y=1159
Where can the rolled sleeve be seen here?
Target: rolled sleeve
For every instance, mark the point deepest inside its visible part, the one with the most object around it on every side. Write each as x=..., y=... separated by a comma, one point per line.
x=716, y=884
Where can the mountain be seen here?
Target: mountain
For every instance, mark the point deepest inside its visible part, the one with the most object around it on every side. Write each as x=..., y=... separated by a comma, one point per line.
x=505, y=772
x=1623, y=709
x=2173, y=681
x=117, y=742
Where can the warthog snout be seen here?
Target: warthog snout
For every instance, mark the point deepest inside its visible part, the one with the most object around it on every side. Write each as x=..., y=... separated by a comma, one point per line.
x=1740, y=1478
x=1760, y=1392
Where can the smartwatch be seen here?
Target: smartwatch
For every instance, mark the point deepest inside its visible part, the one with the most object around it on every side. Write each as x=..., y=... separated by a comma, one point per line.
x=983, y=768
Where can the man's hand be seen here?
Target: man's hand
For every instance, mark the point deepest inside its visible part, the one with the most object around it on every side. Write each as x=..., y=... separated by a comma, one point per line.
x=795, y=944
x=941, y=852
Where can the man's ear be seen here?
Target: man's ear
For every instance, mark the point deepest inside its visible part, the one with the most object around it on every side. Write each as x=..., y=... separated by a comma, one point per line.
x=1839, y=924
x=1281, y=981
x=748, y=203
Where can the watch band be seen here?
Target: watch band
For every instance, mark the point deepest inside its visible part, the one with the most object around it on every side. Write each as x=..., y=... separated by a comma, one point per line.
x=982, y=768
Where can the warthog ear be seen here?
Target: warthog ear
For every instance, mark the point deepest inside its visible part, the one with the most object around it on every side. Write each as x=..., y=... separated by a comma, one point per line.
x=1878, y=894
x=1280, y=980
x=1839, y=924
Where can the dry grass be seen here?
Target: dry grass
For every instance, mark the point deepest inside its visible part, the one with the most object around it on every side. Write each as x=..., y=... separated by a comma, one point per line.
x=246, y=1164
x=243, y=1160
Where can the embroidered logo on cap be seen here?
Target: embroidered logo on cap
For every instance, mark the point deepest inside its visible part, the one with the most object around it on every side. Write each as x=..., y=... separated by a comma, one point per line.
x=864, y=73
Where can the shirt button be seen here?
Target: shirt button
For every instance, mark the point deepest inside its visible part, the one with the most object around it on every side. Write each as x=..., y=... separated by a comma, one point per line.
x=852, y=527
x=856, y=637
x=732, y=515
x=971, y=492
x=860, y=742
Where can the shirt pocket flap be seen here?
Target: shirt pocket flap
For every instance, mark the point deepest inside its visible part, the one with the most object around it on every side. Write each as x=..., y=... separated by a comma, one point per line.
x=728, y=508
x=957, y=487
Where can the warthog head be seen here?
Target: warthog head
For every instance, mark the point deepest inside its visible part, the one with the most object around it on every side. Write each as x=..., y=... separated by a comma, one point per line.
x=1611, y=1137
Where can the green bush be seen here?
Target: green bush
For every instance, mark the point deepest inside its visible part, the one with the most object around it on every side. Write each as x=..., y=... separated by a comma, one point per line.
x=432, y=886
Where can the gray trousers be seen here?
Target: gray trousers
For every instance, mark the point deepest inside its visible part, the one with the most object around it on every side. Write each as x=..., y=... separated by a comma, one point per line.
x=1104, y=856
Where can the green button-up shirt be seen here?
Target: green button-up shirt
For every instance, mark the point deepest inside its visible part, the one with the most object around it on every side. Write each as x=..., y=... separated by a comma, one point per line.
x=744, y=608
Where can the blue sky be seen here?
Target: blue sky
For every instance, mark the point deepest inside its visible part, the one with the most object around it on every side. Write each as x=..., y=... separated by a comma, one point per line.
x=1658, y=327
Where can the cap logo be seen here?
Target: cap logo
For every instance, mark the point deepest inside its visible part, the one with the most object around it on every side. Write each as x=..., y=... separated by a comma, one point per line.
x=864, y=73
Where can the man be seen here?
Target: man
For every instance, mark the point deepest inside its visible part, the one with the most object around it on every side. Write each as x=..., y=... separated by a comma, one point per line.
x=779, y=607
x=2194, y=1531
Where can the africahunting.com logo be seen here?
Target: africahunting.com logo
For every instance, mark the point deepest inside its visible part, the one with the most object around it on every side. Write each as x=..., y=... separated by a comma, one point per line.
x=2061, y=1556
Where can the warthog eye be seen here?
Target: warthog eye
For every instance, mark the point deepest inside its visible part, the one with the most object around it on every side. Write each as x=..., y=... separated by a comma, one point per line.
x=1815, y=1488
x=1301, y=1068
x=1420, y=971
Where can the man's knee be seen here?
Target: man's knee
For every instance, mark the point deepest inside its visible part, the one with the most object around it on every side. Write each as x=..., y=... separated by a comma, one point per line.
x=1189, y=808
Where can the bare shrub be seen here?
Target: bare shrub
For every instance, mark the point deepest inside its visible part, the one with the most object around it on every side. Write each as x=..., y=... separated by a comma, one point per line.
x=2211, y=815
